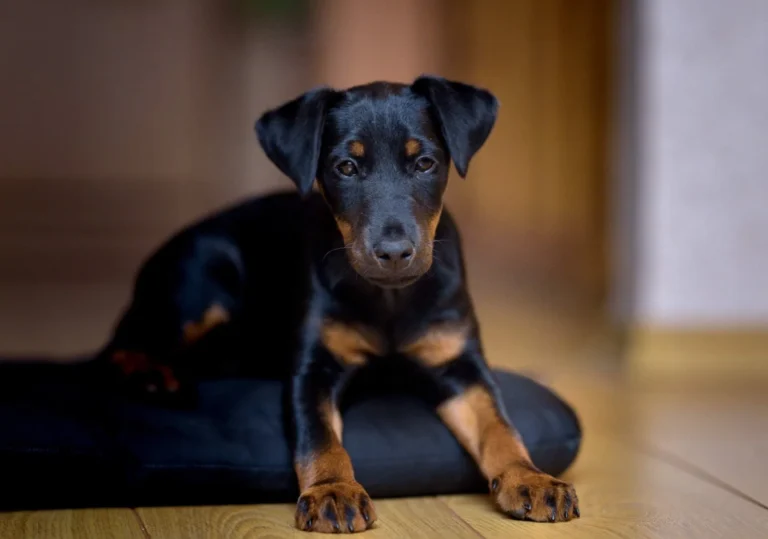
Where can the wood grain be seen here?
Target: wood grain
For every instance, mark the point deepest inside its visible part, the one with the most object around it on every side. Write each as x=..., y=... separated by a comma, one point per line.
x=638, y=476
x=677, y=462
x=71, y=524
x=258, y=521
x=628, y=489
x=408, y=517
x=626, y=494
x=723, y=435
x=625, y=489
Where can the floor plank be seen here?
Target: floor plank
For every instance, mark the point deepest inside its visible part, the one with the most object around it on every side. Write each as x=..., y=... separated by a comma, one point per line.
x=715, y=432
x=213, y=522
x=408, y=517
x=71, y=524
x=723, y=435
x=419, y=518
x=626, y=494
x=629, y=488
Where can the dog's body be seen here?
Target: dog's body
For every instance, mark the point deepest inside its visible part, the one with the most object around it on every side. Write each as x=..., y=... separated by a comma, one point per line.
x=315, y=286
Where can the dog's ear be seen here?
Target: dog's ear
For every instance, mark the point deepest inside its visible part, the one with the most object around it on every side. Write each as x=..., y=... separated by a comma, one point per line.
x=466, y=115
x=291, y=134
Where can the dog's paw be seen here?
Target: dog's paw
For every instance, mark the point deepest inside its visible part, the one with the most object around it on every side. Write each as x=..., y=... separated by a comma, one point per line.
x=152, y=376
x=525, y=493
x=338, y=507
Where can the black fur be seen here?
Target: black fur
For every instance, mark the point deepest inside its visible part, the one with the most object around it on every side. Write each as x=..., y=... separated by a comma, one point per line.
x=278, y=264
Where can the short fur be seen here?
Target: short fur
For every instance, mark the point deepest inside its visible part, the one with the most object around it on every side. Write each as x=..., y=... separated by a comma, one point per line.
x=366, y=268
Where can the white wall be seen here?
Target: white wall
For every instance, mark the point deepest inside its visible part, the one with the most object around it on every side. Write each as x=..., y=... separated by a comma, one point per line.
x=700, y=160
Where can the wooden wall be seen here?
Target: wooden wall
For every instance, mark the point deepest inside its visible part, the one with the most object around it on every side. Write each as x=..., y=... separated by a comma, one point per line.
x=536, y=194
x=121, y=122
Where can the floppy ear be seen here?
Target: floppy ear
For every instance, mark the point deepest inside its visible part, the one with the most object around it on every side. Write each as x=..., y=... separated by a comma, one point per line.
x=466, y=115
x=291, y=135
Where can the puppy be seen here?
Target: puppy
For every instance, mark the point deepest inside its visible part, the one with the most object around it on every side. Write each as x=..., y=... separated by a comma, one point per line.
x=361, y=265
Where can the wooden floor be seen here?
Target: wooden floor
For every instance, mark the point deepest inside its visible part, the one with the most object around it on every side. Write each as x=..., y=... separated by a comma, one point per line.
x=662, y=462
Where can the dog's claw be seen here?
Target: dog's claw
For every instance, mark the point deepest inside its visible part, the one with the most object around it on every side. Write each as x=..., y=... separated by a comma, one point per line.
x=528, y=494
x=336, y=507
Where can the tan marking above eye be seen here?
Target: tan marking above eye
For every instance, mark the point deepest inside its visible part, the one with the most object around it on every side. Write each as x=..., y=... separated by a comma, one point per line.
x=348, y=344
x=357, y=148
x=412, y=147
x=438, y=345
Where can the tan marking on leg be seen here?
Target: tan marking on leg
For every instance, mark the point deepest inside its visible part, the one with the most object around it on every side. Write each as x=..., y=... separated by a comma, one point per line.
x=331, y=461
x=518, y=487
x=331, y=499
x=332, y=418
x=215, y=315
x=131, y=363
x=474, y=419
x=440, y=344
x=348, y=344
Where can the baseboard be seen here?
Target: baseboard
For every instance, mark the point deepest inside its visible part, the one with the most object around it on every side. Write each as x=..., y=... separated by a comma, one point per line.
x=701, y=355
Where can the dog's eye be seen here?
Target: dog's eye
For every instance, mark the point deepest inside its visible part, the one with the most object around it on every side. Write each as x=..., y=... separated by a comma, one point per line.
x=425, y=164
x=346, y=168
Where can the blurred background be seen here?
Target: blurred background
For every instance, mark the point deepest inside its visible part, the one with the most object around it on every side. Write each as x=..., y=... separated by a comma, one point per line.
x=616, y=218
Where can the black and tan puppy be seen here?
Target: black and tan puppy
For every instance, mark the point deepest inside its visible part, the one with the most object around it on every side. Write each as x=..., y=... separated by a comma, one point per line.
x=365, y=269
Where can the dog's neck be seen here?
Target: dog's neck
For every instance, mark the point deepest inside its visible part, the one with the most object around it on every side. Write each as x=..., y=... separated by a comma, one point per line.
x=339, y=277
x=384, y=308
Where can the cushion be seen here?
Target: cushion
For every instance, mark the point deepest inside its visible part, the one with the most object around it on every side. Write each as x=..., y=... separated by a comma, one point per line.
x=69, y=439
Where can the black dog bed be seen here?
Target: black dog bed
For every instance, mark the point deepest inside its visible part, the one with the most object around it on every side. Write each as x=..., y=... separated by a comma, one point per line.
x=68, y=439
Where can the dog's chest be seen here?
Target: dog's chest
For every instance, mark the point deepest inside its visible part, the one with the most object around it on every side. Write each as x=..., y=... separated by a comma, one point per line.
x=431, y=344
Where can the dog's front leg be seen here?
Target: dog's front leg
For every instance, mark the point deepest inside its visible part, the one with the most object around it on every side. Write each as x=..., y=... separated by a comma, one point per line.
x=331, y=500
x=474, y=413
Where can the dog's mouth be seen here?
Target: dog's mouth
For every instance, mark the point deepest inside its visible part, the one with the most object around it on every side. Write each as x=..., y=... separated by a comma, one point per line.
x=376, y=275
x=394, y=282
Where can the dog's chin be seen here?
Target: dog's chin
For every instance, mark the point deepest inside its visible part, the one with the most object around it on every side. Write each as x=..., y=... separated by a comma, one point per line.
x=394, y=282
x=382, y=279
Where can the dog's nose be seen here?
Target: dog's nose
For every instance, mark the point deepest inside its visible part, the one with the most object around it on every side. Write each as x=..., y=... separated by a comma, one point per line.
x=393, y=254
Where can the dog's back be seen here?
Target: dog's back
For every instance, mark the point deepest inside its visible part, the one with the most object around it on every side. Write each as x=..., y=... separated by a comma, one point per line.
x=246, y=265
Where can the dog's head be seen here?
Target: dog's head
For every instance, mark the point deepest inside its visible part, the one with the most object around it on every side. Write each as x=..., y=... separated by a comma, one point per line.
x=380, y=155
